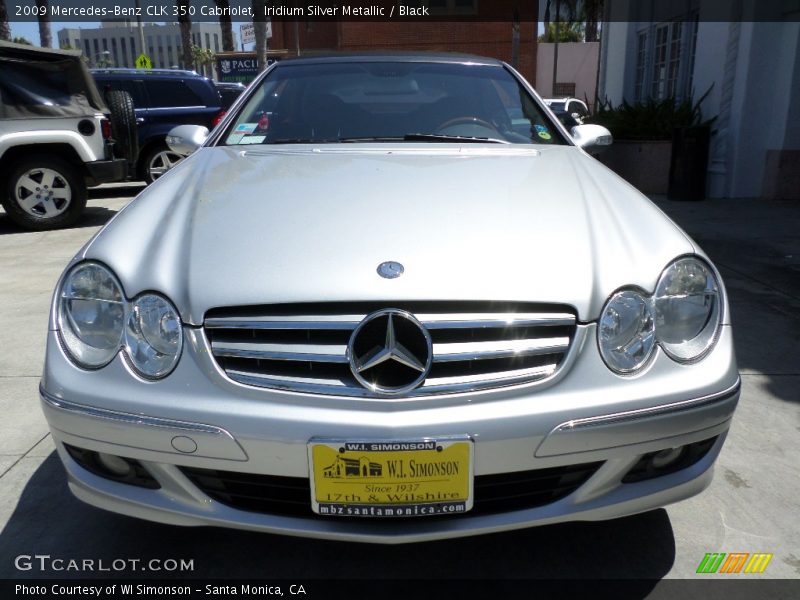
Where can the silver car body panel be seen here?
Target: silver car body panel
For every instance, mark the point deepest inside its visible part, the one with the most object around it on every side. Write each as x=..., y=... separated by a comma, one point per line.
x=231, y=227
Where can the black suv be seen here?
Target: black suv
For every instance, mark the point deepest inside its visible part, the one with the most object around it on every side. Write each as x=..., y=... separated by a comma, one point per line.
x=163, y=99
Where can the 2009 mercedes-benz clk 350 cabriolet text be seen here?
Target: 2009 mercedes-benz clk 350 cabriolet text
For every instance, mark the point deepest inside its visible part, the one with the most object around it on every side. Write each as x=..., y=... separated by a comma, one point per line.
x=389, y=299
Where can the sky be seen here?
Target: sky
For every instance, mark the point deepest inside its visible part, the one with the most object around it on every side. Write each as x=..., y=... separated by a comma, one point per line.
x=30, y=31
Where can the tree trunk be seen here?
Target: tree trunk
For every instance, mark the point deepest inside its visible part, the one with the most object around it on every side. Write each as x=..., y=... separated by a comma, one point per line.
x=226, y=25
x=45, y=35
x=5, y=30
x=260, y=30
x=593, y=9
x=185, y=22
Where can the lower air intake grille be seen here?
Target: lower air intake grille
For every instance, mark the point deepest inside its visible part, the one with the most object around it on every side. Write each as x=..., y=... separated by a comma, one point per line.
x=475, y=345
x=291, y=496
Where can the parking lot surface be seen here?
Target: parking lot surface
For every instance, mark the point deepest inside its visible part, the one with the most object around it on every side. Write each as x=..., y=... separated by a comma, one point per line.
x=752, y=505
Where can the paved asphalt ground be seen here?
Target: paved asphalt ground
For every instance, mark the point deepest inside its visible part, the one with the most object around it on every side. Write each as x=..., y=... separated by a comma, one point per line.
x=753, y=504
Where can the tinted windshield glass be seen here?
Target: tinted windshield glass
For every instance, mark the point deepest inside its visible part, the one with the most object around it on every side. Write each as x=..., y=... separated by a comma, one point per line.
x=390, y=101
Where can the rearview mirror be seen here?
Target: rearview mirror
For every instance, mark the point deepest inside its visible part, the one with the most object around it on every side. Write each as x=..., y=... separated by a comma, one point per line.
x=592, y=137
x=185, y=139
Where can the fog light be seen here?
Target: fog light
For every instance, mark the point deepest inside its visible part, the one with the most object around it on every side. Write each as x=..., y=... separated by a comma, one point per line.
x=666, y=457
x=669, y=460
x=115, y=464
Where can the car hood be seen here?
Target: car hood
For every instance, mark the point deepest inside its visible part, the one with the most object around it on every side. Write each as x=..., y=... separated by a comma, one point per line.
x=232, y=226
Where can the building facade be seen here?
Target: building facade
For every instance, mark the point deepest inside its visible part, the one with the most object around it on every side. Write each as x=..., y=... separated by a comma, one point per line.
x=116, y=43
x=750, y=67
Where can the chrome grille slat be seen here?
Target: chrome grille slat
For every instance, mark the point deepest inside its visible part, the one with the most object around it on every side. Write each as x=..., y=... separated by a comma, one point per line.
x=479, y=321
x=476, y=346
x=297, y=352
x=503, y=349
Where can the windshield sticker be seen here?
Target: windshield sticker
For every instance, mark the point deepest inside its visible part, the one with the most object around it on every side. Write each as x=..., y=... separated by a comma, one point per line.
x=253, y=139
x=235, y=138
x=245, y=128
x=542, y=132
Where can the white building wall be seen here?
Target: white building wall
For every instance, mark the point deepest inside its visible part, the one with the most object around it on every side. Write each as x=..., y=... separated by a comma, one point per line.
x=577, y=63
x=613, y=60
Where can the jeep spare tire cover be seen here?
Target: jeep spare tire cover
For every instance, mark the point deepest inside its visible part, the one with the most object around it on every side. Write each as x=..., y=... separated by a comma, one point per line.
x=123, y=125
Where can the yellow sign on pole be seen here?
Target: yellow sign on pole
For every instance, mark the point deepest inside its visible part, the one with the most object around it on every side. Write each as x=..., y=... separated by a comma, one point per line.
x=143, y=62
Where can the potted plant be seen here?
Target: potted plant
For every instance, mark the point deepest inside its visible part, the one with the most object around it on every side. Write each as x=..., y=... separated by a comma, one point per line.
x=643, y=138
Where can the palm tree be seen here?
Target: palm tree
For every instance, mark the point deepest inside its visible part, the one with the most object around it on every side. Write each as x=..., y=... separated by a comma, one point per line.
x=5, y=30
x=45, y=35
x=225, y=24
x=260, y=30
x=185, y=22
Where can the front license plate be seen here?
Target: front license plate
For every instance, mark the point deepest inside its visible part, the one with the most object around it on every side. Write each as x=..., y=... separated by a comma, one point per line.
x=389, y=479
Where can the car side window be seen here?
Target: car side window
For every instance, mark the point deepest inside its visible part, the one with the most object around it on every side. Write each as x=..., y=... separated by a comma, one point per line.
x=167, y=93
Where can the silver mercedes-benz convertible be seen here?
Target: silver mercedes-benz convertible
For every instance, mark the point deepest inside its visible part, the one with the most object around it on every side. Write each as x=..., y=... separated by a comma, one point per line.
x=389, y=299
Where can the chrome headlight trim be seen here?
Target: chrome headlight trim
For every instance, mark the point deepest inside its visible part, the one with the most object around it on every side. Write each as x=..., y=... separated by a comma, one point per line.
x=137, y=346
x=636, y=344
x=108, y=291
x=153, y=336
x=696, y=290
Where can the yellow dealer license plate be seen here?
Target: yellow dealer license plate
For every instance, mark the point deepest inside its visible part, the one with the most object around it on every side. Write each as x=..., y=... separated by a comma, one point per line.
x=389, y=479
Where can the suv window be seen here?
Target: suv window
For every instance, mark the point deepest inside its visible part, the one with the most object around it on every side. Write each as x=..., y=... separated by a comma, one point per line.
x=134, y=88
x=171, y=93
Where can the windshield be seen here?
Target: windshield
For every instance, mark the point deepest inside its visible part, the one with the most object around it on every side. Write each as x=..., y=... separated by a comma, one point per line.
x=557, y=106
x=390, y=101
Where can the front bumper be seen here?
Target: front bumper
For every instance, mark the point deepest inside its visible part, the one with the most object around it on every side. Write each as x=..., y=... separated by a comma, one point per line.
x=586, y=414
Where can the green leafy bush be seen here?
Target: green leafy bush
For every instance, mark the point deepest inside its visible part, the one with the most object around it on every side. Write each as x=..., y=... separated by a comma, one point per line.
x=650, y=120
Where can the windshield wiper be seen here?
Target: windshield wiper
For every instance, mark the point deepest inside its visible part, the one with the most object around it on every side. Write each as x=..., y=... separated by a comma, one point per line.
x=372, y=138
x=303, y=141
x=439, y=137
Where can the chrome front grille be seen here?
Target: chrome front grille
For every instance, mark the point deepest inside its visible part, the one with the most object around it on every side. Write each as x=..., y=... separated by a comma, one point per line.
x=303, y=347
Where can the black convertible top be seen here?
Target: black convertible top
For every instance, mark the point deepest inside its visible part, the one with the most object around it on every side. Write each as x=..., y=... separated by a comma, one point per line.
x=40, y=82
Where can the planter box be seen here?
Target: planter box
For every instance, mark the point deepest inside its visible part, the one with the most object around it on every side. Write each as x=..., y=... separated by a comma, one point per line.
x=643, y=164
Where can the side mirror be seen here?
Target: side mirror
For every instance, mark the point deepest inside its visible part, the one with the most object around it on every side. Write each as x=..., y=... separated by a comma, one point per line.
x=185, y=139
x=592, y=137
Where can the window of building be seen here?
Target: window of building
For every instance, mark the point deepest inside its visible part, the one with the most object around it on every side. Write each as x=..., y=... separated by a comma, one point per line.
x=114, y=54
x=208, y=41
x=216, y=42
x=641, y=55
x=86, y=49
x=666, y=60
x=693, y=22
x=123, y=47
x=166, y=93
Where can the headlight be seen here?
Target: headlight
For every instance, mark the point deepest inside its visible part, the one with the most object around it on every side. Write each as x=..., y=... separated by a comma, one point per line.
x=687, y=309
x=153, y=336
x=626, y=331
x=91, y=315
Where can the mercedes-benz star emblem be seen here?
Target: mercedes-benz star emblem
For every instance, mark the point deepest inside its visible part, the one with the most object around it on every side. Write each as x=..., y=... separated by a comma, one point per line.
x=390, y=269
x=390, y=352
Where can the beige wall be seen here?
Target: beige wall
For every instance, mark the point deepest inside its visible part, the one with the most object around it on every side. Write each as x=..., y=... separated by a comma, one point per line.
x=577, y=62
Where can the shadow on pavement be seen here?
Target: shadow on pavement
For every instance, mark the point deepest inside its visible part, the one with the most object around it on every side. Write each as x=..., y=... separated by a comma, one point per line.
x=49, y=520
x=93, y=216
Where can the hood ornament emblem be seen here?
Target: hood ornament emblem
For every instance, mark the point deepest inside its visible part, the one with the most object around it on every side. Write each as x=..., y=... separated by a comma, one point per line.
x=390, y=269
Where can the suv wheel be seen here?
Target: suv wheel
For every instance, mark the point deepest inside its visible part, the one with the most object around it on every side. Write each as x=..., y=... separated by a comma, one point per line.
x=44, y=193
x=157, y=161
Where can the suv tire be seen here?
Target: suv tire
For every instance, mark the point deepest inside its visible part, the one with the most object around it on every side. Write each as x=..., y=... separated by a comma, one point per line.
x=123, y=125
x=45, y=192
